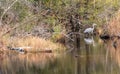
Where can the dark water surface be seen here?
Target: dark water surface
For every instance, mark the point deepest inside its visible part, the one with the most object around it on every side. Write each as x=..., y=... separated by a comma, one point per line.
x=92, y=57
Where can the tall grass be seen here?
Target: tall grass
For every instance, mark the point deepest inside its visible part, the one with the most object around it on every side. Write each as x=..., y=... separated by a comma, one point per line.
x=36, y=43
x=113, y=26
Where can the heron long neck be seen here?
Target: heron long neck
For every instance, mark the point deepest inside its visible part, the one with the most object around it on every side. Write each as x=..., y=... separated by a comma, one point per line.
x=93, y=29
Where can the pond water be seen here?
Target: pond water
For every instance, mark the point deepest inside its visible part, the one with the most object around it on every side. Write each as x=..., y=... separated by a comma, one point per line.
x=90, y=57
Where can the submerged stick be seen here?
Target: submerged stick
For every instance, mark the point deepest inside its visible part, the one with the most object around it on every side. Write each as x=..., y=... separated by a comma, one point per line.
x=41, y=51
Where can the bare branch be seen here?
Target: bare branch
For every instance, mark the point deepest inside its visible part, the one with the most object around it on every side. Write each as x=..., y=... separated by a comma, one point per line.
x=7, y=10
x=28, y=19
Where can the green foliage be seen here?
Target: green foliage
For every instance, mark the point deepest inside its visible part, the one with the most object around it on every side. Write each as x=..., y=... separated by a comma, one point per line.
x=57, y=32
x=57, y=28
x=33, y=0
x=28, y=27
x=89, y=11
x=21, y=10
x=51, y=21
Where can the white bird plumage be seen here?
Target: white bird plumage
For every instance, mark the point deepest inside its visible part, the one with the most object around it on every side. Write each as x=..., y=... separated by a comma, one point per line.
x=90, y=30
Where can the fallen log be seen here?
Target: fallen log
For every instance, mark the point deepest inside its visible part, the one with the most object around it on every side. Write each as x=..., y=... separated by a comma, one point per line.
x=41, y=51
x=25, y=50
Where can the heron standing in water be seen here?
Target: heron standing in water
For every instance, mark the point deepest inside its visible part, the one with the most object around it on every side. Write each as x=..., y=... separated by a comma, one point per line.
x=90, y=30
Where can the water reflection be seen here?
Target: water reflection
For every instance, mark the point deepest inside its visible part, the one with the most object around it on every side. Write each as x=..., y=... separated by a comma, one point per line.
x=99, y=59
x=83, y=59
x=113, y=50
x=24, y=64
x=89, y=41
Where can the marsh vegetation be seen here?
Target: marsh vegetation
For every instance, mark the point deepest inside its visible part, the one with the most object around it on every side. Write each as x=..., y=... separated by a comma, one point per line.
x=51, y=35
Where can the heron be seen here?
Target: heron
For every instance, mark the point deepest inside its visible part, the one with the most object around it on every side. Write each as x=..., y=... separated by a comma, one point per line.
x=90, y=30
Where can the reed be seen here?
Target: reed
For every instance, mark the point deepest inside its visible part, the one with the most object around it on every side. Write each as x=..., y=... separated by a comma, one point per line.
x=113, y=26
x=35, y=43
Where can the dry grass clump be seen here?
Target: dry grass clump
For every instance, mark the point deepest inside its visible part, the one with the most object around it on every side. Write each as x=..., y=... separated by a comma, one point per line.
x=113, y=27
x=36, y=43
